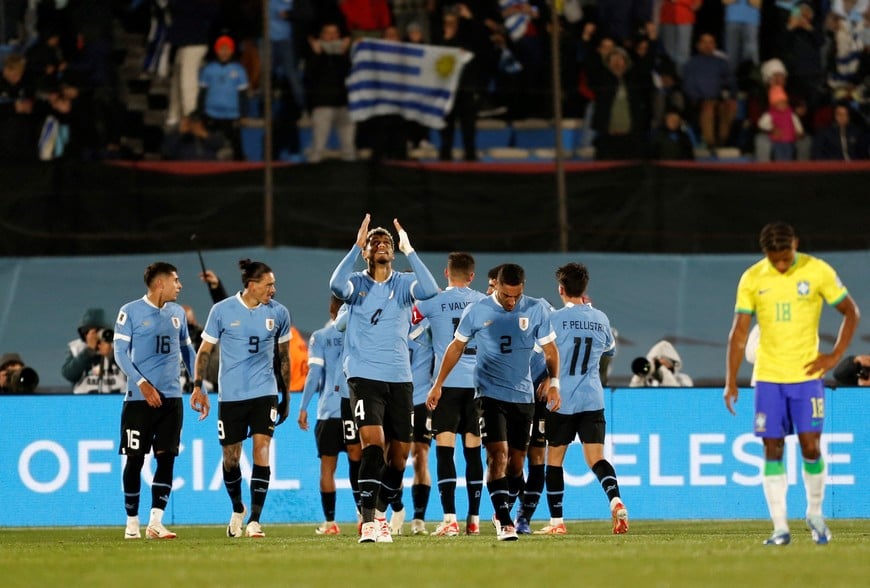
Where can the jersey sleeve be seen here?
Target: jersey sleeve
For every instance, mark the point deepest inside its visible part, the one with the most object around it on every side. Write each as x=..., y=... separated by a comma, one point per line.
x=745, y=295
x=467, y=323
x=545, y=333
x=212, y=330
x=832, y=289
x=121, y=346
x=284, y=333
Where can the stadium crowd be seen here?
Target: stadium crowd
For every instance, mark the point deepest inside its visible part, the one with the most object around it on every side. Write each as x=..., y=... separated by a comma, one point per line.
x=784, y=80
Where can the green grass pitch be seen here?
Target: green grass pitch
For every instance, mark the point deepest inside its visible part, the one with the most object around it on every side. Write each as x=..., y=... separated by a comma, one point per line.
x=653, y=553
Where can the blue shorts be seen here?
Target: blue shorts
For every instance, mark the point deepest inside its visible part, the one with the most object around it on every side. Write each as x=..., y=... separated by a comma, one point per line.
x=782, y=409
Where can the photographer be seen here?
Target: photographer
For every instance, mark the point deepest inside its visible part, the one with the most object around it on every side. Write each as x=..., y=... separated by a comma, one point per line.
x=90, y=364
x=15, y=378
x=853, y=370
x=660, y=368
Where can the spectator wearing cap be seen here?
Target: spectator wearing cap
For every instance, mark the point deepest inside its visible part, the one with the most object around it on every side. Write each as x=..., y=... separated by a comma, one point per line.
x=90, y=364
x=782, y=125
x=222, y=86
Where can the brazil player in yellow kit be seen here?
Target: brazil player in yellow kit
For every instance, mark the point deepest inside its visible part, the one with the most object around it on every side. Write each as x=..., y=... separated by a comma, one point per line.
x=786, y=292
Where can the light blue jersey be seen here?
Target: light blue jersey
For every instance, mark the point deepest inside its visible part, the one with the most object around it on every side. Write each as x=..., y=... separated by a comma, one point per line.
x=148, y=344
x=422, y=360
x=583, y=335
x=444, y=311
x=247, y=346
x=505, y=343
x=379, y=313
x=324, y=372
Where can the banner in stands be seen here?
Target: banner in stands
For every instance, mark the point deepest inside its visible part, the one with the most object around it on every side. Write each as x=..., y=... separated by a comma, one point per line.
x=678, y=454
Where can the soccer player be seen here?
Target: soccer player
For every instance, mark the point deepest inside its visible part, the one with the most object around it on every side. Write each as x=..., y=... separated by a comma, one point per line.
x=422, y=364
x=325, y=376
x=377, y=366
x=586, y=344
x=457, y=411
x=528, y=491
x=506, y=327
x=786, y=291
x=249, y=326
x=150, y=333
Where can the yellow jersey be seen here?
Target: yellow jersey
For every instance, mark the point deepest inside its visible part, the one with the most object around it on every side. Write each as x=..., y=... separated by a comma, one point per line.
x=788, y=308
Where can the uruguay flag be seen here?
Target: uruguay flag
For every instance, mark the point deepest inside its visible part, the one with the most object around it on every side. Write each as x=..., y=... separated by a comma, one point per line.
x=417, y=82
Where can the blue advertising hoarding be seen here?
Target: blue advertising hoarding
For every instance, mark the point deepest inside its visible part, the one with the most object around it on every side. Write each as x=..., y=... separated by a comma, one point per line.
x=678, y=454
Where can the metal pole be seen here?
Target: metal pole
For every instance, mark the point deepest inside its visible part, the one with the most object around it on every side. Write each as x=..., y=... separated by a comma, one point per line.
x=266, y=81
x=561, y=196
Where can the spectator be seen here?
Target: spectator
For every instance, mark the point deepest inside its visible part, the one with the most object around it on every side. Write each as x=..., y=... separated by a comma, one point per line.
x=90, y=363
x=188, y=35
x=803, y=57
x=842, y=141
x=17, y=140
x=328, y=66
x=623, y=18
x=676, y=20
x=620, y=119
x=845, y=22
x=782, y=125
x=742, y=20
x=710, y=86
x=662, y=367
x=223, y=83
x=463, y=31
x=96, y=119
x=287, y=19
x=366, y=18
x=671, y=141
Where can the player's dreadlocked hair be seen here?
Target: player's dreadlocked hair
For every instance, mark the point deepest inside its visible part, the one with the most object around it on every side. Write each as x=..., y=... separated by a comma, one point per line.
x=777, y=236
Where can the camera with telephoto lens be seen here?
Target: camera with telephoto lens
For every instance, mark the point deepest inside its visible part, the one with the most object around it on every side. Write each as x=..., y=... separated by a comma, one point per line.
x=23, y=380
x=106, y=335
x=641, y=366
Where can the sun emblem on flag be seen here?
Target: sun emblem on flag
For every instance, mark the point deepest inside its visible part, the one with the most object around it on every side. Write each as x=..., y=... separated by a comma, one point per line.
x=445, y=65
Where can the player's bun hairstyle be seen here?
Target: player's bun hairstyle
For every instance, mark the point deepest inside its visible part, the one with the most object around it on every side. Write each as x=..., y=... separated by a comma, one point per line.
x=574, y=277
x=157, y=268
x=252, y=271
x=511, y=274
x=777, y=236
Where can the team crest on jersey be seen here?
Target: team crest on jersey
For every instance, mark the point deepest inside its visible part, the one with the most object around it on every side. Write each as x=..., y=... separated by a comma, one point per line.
x=270, y=324
x=760, y=422
x=176, y=322
x=803, y=288
x=122, y=318
x=524, y=323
